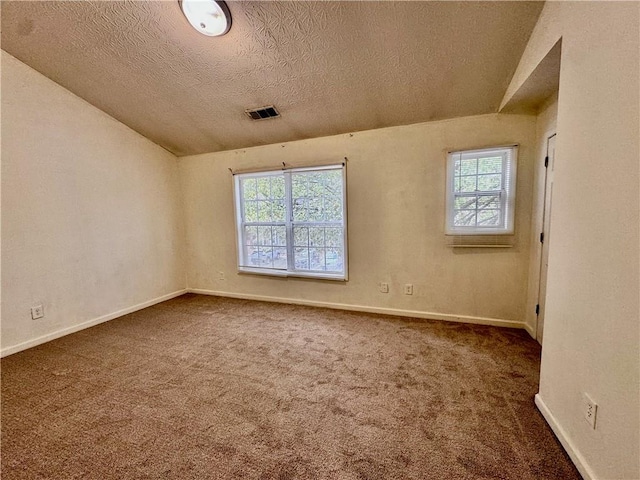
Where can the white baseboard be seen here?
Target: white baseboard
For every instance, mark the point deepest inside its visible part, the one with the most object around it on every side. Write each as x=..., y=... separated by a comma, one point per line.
x=530, y=330
x=89, y=323
x=362, y=308
x=577, y=459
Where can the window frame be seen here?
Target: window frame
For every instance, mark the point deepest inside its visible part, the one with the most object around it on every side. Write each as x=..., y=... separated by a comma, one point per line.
x=289, y=223
x=507, y=193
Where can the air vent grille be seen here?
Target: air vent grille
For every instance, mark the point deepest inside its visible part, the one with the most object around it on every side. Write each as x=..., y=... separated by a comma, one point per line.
x=262, y=113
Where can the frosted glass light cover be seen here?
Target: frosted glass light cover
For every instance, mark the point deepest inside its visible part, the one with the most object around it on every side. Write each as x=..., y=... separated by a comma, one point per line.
x=207, y=16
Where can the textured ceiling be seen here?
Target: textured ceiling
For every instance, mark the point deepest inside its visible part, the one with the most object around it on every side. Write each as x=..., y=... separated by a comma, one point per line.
x=329, y=67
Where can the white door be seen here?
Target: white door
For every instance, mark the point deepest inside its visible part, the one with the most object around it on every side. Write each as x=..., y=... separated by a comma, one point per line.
x=545, y=234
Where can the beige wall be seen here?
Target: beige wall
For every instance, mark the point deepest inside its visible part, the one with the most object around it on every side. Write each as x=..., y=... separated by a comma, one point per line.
x=592, y=323
x=396, y=180
x=91, y=221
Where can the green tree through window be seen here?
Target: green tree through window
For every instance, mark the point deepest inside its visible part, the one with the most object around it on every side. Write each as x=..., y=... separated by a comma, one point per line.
x=481, y=191
x=292, y=222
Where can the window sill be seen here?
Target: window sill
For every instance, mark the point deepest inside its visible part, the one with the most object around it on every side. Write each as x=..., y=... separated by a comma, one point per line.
x=477, y=233
x=286, y=274
x=479, y=245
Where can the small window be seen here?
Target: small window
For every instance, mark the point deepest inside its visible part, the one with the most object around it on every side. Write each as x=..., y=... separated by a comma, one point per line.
x=293, y=222
x=481, y=191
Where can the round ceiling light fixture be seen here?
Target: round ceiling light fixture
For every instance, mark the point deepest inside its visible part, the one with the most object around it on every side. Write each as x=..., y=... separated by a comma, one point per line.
x=208, y=17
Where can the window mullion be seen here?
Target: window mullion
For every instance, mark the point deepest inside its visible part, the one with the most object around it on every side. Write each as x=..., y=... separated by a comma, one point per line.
x=240, y=221
x=245, y=251
x=289, y=219
x=504, y=197
x=479, y=192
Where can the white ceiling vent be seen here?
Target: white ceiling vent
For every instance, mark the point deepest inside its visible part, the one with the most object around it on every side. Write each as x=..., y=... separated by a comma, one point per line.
x=262, y=113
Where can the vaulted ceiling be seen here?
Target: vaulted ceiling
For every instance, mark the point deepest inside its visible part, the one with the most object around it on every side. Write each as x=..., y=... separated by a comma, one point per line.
x=329, y=67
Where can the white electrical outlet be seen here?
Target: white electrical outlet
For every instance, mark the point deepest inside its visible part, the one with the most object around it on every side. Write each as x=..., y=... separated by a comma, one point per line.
x=384, y=287
x=408, y=289
x=589, y=409
x=37, y=311
x=220, y=275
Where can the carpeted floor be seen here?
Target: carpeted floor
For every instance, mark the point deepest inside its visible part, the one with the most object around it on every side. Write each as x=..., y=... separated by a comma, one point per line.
x=210, y=388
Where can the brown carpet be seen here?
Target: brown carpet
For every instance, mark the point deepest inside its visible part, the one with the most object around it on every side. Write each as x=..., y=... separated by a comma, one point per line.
x=210, y=388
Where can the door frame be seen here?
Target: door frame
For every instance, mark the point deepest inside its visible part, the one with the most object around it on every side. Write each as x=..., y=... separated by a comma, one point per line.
x=545, y=234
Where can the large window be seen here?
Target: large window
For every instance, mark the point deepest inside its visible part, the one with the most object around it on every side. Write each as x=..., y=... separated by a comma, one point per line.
x=481, y=191
x=293, y=222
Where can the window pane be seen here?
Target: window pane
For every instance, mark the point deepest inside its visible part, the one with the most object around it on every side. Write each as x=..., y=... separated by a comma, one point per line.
x=469, y=166
x=300, y=236
x=315, y=209
x=334, y=260
x=298, y=186
x=489, y=182
x=266, y=256
x=250, y=211
x=333, y=208
x=488, y=218
x=300, y=210
x=301, y=258
x=490, y=165
x=277, y=187
x=316, y=256
x=279, y=236
x=264, y=211
x=488, y=201
x=465, y=218
x=250, y=236
x=465, y=202
x=253, y=256
x=249, y=188
x=278, y=211
x=260, y=257
x=333, y=183
x=280, y=258
x=316, y=236
x=264, y=187
x=316, y=181
x=467, y=184
x=315, y=190
x=333, y=237
x=264, y=235
x=320, y=193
